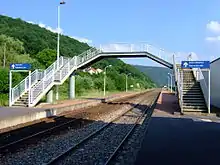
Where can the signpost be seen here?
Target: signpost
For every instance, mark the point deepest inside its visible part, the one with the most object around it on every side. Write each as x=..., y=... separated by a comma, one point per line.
x=203, y=66
x=195, y=64
x=19, y=67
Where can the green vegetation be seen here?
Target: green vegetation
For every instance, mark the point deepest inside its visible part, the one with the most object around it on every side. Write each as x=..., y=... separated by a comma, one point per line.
x=21, y=42
x=157, y=74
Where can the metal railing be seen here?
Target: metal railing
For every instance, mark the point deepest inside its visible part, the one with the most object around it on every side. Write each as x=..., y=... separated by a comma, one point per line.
x=180, y=87
x=52, y=74
x=23, y=86
x=201, y=79
x=41, y=86
x=36, y=76
x=139, y=47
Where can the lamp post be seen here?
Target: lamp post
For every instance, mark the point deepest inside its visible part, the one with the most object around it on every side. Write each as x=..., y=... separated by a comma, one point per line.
x=58, y=32
x=105, y=77
x=126, y=85
x=58, y=42
x=168, y=77
x=4, y=55
x=171, y=81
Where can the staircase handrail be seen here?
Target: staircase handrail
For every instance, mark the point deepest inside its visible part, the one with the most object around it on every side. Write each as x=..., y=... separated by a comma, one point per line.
x=41, y=85
x=23, y=86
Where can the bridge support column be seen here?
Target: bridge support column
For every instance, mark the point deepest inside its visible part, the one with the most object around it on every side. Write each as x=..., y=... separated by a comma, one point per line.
x=50, y=96
x=57, y=92
x=72, y=86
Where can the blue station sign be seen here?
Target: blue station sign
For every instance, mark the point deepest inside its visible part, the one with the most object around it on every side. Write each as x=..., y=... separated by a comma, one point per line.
x=195, y=64
x=20, y=66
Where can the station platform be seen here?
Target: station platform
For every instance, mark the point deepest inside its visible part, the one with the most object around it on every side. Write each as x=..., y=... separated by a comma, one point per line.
x=173, y=139
x=13, y=116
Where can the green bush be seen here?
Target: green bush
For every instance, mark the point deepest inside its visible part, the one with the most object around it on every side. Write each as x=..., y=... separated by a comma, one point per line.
x=4, y=99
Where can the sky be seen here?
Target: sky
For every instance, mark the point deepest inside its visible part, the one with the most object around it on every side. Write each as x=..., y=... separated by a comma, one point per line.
x=172, y=25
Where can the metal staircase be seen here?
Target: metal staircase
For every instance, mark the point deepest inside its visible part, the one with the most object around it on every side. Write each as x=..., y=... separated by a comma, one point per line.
x=192, y=89
x=193, y=99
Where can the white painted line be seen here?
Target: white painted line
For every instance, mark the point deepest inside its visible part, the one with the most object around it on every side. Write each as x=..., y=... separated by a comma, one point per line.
x=206, y=120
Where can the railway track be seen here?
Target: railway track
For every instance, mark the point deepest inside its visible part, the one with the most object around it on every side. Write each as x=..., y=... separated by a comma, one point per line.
x=48, y=148
x=92, y=149
x=13, y=145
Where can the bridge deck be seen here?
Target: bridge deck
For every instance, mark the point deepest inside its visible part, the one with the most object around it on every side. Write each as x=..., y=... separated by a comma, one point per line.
x=173, y=139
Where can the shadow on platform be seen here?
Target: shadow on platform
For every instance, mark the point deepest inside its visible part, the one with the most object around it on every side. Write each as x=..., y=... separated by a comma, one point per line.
x=180, y=141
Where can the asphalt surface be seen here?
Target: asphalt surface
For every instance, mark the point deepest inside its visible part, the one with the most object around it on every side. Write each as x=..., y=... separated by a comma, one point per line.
x=180, y=141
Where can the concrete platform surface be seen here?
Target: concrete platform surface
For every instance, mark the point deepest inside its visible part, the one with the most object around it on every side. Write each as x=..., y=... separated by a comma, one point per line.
x=6, y=112
x=179, y=140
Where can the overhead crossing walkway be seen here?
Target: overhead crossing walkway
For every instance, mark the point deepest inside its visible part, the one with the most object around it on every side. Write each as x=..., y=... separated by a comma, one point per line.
x=58, y=72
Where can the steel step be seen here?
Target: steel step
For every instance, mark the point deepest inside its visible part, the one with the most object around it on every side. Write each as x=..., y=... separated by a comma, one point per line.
x=194, y=104
x=192, y=94
x=193, y=98
x=191, y=88
x=194, y=107
x=194, y=110
x=193, y=101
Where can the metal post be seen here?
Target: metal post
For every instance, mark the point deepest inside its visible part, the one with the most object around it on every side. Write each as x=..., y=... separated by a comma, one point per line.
x=171, y=79
x=105, y=77
x=104, y=80
x=29, y=89
x=126, y=83
x=72, y=86
x=209, y=93
x=58, y=36
x=4, y=56
x=168, y=82
x=181, y=91
x=10, y=86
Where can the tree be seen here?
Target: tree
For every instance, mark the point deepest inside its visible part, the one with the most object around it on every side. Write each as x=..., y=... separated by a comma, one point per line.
x=9, y=48
x=46, y=57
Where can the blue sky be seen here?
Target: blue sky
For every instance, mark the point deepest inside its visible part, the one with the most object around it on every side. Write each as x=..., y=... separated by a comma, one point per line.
x=183, y=25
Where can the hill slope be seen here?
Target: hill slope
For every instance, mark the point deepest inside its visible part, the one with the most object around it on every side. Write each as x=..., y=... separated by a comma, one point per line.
x=38, y=46
x=156, y=74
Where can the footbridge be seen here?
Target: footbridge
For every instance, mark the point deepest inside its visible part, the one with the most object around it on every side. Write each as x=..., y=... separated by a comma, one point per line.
x=56, y=74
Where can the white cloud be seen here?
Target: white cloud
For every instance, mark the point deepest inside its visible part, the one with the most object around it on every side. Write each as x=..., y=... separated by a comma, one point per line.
x=213, y=26
x=56, y=30
x=81, y=39
x=30, y=22
x=213, y=39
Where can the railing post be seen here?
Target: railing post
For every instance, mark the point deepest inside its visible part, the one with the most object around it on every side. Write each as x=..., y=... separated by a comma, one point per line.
x=181, y=91
x=37, y=75
x=147, y=48
x=29, y=90
x=10, y=88
x=75, y=61
x=159, y=53
x=68, y=66
x=25, y=86
x=43, y=83
x=209, y=95
x=60, y=73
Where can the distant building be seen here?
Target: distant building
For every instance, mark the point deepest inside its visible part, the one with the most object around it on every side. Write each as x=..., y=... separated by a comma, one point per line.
x=99, y=70
x=91, y=70
x=214, y=80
